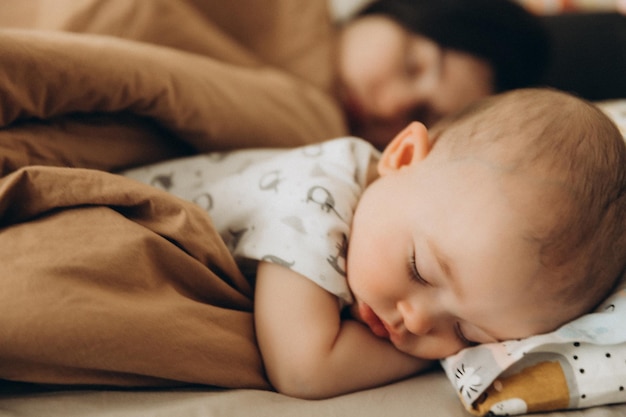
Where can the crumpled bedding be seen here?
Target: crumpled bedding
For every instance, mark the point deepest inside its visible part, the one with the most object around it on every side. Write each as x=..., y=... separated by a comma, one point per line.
x=171, y=68
x=104, y=281
x=108, y=282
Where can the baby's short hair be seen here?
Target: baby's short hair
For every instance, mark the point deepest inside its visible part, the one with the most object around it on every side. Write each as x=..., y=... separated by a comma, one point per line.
x=579, y=151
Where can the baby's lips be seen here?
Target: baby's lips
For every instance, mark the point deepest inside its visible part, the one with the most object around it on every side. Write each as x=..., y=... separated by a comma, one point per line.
x=373, y=321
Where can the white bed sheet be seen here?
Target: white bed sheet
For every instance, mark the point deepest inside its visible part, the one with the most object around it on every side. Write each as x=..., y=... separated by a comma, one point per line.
x=428, y=395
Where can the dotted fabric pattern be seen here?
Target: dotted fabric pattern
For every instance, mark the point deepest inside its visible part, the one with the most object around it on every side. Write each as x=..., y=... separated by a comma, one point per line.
x=580, y=365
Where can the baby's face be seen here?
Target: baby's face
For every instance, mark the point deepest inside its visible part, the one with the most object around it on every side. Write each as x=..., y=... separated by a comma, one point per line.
x=439, y=259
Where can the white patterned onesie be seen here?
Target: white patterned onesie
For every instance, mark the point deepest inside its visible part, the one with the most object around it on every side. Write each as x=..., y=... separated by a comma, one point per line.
x=291, y=207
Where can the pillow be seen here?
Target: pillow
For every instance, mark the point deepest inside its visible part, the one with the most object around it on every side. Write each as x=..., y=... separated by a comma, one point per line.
x=580, y=365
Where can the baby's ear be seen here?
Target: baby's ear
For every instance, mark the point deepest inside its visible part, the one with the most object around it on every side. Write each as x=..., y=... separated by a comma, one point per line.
x=408, y=147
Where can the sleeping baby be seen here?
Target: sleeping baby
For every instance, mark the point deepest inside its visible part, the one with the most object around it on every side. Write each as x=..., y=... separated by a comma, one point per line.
x=502, y=222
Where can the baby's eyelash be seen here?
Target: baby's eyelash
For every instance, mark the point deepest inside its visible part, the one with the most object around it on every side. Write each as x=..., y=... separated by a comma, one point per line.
x=461, y=336
x=415, y=274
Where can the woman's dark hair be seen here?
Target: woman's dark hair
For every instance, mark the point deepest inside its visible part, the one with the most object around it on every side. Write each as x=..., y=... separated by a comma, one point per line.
x=502, y=32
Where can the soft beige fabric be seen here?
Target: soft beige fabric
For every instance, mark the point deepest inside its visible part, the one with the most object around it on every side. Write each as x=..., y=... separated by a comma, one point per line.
x=428, y=395
x=108, y=281
x=195, y=76
x=104, y=281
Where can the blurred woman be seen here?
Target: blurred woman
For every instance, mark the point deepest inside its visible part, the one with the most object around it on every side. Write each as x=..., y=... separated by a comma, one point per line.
x=404, y=60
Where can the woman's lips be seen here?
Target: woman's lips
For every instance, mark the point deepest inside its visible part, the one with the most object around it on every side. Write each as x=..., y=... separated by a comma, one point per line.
x=375, y=324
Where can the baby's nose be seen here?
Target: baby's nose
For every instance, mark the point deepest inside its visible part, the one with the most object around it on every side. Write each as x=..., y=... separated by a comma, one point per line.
x=418, y=319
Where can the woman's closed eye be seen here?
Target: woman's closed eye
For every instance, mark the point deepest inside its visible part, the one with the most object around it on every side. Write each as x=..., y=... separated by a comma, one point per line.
x=414, y=272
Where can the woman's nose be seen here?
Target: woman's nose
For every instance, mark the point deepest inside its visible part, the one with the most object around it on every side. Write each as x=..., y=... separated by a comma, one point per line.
x=418, y=318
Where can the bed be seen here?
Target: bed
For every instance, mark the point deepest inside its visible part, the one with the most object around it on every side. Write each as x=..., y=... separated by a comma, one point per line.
x=116, y=298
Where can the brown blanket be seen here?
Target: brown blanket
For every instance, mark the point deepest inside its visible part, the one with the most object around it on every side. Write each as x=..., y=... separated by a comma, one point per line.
x=106, y=281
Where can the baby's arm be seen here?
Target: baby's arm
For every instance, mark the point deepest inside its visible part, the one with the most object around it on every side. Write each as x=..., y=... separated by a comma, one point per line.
x=308, y=351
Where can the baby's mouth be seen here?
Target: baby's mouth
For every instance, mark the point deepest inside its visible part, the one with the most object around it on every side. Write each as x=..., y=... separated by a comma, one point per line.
x=375, y=324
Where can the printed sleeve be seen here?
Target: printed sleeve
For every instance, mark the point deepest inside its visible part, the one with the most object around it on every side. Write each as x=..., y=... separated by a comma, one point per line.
x=296, y=210
x=293, y=208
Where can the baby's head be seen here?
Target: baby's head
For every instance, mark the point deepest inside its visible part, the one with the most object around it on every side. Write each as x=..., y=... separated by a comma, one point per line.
x=564, y=163
x=511, y=215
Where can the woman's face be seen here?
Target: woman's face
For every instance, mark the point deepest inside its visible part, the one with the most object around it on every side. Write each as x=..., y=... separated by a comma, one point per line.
x=389, y=76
